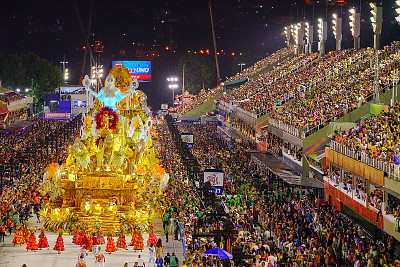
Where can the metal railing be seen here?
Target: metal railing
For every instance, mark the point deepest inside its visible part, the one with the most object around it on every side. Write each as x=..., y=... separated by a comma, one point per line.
x=290, y=129
x=391, y=169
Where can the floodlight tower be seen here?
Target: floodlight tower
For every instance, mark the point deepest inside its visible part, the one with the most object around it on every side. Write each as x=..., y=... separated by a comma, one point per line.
x=337, y=31
x=355, y=27
x=301, y=32
x=398, y=11
x=309, y=32
x=322, y=36
x=287, y=33
x=294, y=31
x=376, y=20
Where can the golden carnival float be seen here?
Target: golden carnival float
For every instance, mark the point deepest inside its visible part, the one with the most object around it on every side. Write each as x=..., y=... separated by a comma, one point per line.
x=112, y=177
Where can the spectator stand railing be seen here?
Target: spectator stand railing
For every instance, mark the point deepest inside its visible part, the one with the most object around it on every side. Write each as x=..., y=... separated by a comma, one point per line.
x=286, y=128
x=246, y=116
x=391, y=169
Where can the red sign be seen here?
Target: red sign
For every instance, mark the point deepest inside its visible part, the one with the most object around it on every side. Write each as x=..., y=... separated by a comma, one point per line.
x=57, y=115
x=141, y=77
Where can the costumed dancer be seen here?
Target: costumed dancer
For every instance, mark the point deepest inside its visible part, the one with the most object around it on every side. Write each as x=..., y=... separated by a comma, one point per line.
x=87, y=242
x=75, y=237
x=134, y=238
x=121, y=242
x=94, y=244
x=139, y=243
x=81, y=262
x=152, y=237
x=32, y=245
x=110, y=247
x=82, y=253
x=43, y=240
x=18, y=236
x=59, y=246
x=100, y=238
x=27, y=234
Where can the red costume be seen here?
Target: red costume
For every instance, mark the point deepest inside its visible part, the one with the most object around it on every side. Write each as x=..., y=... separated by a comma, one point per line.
x=121, y=242
x=110, y=245
x=59, y=244
x=18, y=238
x=139, y=243
x=152, y=239
x=32, y=245
x=87, y=242
x=43, y=241
x=134, y=239
x=75, y=237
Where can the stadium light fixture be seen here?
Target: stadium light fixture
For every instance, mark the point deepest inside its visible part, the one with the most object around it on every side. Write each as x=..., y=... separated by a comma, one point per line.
x=398, y=11
x=309, y=33
x=322, y=35
x=376, y=20
x=355, y=26
x=337, y=31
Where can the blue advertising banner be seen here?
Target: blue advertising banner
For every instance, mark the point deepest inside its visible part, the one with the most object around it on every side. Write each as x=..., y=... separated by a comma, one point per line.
x=139, y=69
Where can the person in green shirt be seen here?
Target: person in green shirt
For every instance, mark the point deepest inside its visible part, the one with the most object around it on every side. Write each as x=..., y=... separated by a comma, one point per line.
x=166, y=231
x=173, y=260
x=165, y=219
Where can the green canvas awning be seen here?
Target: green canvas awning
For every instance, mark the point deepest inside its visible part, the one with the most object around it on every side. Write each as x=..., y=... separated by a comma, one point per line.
x=236, y=82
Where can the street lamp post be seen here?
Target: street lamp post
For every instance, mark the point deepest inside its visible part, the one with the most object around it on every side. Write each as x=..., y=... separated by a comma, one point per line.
x=241, y=66
x=337, y=31
x=355, y=27
x=173, y=85
x=376, y=20
x=322, y=36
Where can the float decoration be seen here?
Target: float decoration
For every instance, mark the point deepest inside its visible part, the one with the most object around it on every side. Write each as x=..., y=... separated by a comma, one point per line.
x=112, y=176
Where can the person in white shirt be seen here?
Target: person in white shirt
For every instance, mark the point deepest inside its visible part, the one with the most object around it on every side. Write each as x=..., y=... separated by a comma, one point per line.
x=152, y=255
x=140, y=262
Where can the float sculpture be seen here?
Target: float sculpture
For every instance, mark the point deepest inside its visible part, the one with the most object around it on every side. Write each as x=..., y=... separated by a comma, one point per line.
x=112, y=176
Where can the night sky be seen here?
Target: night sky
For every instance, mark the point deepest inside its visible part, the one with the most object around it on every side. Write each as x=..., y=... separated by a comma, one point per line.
x=52, y=28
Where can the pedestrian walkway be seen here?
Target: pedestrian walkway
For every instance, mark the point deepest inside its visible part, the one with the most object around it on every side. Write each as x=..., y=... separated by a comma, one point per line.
x=15, y=256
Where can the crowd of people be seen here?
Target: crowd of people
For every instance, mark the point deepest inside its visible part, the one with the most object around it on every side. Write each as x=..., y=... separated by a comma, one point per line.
x=22, y=174
x=205, y=95
x=299, y=82
x=278, y=225
x=377, y=136
x=342, y=93
x=269, y=78
x=263, y=63
x=11, y=97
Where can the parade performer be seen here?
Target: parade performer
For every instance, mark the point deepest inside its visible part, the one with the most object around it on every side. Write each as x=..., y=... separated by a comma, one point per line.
x=87, y=242
x=32, y=245
x=59, y=246
x=43, y=243
x=121, y=242
x=139, y=243
x=100, y=238
x=81, y=262
x=26, y=233
x=134, y=238
x=82, y=253
x=100, y=259
x=18, y=236
x=110, y=247
x=152, y=237
x=75, y=237
x=94, y=243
